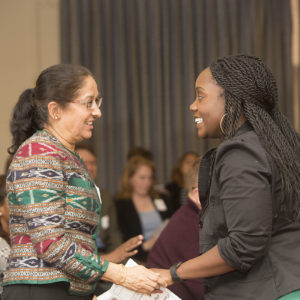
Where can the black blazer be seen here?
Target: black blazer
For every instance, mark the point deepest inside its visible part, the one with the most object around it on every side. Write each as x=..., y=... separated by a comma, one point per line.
x=130, y=224
x=240, y=215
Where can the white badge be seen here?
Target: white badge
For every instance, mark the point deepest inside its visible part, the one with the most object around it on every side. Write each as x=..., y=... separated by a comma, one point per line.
x=160, y=204
x=98, y=193
x=105, y=222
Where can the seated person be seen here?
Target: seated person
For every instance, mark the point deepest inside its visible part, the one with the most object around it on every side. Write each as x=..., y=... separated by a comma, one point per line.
x=109, y=236
x=178, y=186
x=179, y=241
x=139, y=151
x=140, y=209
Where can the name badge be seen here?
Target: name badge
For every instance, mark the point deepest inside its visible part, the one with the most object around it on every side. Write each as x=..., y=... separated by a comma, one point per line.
x=105, y=222
x=160, y=204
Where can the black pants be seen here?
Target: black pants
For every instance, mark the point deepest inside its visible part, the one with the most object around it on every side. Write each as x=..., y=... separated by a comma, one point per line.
x=52, y=291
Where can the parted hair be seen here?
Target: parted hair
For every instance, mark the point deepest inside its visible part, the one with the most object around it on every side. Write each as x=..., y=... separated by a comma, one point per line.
x=125, y=187
x=59, y=83
x=250, y=88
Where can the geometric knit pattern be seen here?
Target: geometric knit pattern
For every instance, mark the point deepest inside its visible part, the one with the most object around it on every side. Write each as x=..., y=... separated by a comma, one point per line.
x=54, y=217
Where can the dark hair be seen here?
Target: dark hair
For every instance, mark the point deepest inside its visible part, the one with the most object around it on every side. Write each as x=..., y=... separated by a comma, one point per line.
x=250, y=88
x=125, y=187
x=139, y=151
x=85, y=146
x=58, y=83
x=3, y=234
x=176, y=174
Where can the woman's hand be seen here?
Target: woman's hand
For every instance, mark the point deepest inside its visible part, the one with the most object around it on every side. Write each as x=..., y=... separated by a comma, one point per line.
x=142, y=280
x=137, y=278
x=164, y=274
x=125, y=250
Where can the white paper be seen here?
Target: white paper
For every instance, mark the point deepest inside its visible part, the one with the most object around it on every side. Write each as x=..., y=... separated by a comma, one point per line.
x=118, y=292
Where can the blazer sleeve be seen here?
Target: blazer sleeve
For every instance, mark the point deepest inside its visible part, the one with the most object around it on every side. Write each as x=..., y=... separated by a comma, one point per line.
x=128, y=219
x=244, y=178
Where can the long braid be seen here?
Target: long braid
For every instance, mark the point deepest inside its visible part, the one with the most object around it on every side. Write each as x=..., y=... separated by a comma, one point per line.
x=250, y=88
x=287, y=129
x=232, y=115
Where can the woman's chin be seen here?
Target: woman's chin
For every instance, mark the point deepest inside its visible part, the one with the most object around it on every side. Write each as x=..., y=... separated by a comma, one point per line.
x=87, y=135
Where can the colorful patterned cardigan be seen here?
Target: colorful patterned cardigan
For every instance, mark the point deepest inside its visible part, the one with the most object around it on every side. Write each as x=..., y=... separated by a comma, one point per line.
x=55, y=217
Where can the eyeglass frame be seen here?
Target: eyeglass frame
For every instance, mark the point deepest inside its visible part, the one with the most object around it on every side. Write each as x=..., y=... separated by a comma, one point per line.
x=93, y=103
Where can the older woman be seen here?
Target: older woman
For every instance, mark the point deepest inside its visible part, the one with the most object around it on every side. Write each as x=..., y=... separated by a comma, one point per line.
x=249, y=185
x=140, y=209
x=54, y=203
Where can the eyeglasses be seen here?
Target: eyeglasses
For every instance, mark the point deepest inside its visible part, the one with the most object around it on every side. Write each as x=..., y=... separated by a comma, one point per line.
x=91, y=104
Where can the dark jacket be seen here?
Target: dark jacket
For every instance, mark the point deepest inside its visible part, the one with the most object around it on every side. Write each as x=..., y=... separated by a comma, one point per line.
x=179, y=241
x=129, y=221
x=174, y=191
x=240, y=215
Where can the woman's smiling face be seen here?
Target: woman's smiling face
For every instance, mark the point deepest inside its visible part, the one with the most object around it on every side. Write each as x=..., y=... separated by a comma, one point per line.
x=77, y=121
x=209, y=105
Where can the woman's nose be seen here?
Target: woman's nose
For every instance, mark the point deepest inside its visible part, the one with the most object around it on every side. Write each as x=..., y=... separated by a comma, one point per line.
x=193, y=106
x=97, y=112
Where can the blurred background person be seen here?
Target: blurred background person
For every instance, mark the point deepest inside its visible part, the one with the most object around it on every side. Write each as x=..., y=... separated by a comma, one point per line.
x=140, y=209
x=4, y=229
x=139, y=151
x=179, y=241
x=109, y=237
x=147, y=154
x=178, y=186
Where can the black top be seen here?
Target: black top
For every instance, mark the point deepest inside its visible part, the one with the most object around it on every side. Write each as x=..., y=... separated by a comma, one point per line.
x=174, y=191
x=240, y=215
x=130, y=224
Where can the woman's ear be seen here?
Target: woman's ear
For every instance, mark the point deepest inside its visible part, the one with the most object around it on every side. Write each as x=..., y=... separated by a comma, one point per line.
x=196, y=198
x=54, y=110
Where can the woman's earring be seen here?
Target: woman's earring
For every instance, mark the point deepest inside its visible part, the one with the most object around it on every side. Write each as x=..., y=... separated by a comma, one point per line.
x=221, y=124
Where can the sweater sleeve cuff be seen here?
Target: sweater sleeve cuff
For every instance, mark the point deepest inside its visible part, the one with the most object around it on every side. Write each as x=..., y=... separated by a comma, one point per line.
x=93, y=267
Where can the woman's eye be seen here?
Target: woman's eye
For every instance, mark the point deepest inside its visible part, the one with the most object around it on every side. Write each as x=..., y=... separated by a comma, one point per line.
x=199, y=97
x=89, y=103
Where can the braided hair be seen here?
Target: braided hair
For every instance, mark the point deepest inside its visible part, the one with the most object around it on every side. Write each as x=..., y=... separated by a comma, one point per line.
x=250, y=88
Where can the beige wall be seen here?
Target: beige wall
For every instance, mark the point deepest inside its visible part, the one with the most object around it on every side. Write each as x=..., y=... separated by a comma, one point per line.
x=29, y=42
